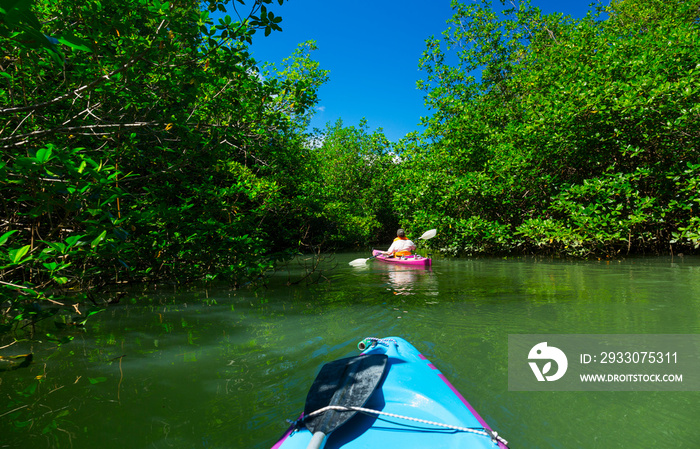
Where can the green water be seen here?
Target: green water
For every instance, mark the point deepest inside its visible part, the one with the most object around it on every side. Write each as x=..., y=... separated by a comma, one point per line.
x=217, y=368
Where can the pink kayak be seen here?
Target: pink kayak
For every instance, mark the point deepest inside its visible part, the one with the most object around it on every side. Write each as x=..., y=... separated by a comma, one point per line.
x=415, y=260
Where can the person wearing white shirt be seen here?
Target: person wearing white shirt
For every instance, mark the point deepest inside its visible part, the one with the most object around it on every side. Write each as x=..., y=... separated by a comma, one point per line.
x=401, y=246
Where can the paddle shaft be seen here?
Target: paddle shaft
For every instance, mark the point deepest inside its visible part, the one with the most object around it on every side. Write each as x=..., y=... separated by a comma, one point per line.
x=362, y=261
x=317, y=441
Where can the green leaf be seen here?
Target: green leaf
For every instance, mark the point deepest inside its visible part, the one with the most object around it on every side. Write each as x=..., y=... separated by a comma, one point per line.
x=17, y=254
x=74, y=42
x=60, y=341
x=92, y=312
x=6, y=236
x=57, y=246
x=43, y=155
x=18, y=11
x=98, y=239
x=97, y=380
x=7, y=5
x=73, y=240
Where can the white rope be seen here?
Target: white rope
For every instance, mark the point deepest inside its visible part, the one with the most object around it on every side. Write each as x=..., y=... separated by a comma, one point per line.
x=375, y=341
x=491, y=434
x=383, y=341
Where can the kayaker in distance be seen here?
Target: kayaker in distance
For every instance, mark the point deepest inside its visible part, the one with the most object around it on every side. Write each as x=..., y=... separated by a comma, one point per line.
x=401, y=246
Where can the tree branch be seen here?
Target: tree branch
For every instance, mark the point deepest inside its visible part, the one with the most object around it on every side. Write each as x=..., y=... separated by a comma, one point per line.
x=76, y=92
x=73, y=130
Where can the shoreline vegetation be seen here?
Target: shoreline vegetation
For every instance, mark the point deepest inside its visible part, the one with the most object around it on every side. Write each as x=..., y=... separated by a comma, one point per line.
x=141, y=142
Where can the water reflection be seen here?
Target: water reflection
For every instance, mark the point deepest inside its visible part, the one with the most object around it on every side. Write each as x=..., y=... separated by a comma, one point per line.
x=403, y=280
x=224, y=368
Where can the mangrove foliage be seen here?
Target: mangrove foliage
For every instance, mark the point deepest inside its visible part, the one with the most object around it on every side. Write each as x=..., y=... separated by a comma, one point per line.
x=141, y=142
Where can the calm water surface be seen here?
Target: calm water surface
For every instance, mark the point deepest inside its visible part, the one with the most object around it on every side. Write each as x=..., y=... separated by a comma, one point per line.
x=217, y=368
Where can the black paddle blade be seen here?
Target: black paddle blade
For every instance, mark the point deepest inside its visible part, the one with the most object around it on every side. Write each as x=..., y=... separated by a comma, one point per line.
x=345, y=382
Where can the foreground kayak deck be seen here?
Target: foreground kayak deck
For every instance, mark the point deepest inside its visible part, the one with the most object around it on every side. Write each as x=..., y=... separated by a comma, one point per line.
x=414, y=260
x=414, y=388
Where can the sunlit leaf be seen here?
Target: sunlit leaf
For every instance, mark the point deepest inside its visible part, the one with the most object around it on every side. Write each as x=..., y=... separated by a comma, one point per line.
x=17, y=254
x=73, y=240
x=43, y=155
x=6, y=236
x=99, y=239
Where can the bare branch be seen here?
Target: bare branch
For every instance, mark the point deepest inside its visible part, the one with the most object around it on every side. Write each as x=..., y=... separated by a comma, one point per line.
x=86, y=129
x=75, y=92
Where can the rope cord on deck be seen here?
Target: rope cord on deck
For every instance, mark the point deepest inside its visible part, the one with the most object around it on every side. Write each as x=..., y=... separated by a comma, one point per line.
x=486, y=432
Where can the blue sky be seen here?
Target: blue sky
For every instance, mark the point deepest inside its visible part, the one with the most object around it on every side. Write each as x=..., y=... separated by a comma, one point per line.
x=371, y=48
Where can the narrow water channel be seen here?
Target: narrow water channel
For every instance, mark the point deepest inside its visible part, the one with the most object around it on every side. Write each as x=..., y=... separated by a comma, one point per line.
x=221, y=368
